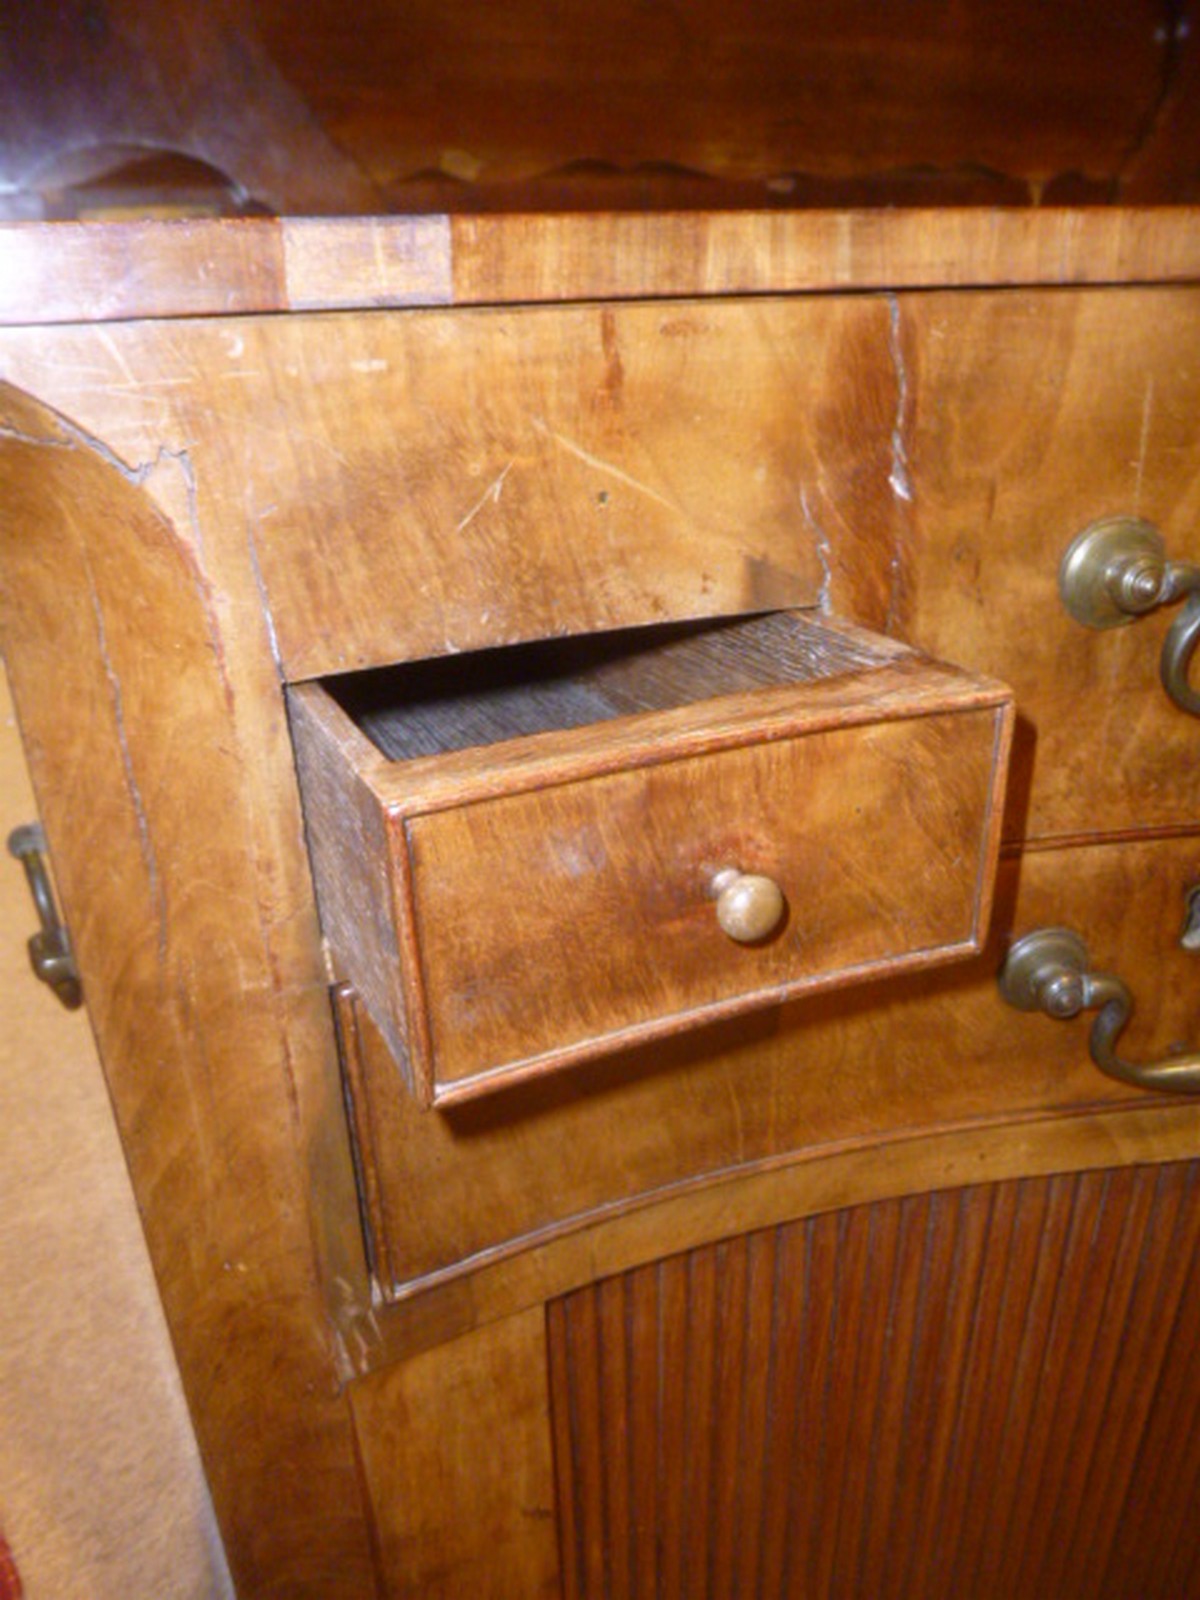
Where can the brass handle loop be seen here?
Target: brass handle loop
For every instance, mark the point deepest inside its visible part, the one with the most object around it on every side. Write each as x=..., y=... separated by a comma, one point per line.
x=1115, y=572
x=1180, y=644
x=50, y=948
x=1049, y=971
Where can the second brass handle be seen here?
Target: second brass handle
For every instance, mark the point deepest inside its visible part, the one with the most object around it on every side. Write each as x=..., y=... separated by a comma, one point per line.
x=1115, y=572
x=1049, y=971
x=1177, y=651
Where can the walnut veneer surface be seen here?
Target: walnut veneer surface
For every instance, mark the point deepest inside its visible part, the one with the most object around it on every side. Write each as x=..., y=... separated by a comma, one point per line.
x=408, y=1370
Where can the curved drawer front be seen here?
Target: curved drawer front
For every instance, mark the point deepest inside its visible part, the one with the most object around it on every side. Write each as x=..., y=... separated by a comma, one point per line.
x=507, y=906
x=559, y=923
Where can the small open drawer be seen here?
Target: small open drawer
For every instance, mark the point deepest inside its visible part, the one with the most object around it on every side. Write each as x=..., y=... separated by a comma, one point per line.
x=529, y=856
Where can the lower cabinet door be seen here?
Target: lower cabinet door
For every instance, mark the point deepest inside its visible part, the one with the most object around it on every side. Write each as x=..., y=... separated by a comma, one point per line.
x=990, y=1391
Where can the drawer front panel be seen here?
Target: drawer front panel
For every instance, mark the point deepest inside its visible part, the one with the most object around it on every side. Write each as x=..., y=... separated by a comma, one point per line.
x=1031, y=417
x=560, y=921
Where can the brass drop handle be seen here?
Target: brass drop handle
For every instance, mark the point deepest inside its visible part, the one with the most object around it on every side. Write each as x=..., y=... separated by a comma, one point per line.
x=1049, y=971
x=50, y=948
x=1115, y=572
x=749, y=906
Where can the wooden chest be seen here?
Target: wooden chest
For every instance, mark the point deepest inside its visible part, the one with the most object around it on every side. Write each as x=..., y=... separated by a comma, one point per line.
x=548, y=727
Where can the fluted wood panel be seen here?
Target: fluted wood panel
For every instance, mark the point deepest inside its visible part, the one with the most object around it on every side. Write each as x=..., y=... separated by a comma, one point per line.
x=993, y=1392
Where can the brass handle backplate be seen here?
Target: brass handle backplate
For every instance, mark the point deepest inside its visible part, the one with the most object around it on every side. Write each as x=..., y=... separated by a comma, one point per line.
x=1049, y=971
x=749, y=906
x=1115, y=572
x=50, y=948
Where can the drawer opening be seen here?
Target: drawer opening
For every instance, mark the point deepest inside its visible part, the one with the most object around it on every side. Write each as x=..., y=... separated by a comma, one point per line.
x=535, y=855
x=449, y=703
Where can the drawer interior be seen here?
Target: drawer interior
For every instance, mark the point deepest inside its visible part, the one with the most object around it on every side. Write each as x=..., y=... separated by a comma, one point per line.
x=463, y=702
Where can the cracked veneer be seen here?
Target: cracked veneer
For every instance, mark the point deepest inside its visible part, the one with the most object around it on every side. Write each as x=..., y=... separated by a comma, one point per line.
x=38, y=441
x=260, y=584
x=824, y=556
x=898, y=477
x=138, y=474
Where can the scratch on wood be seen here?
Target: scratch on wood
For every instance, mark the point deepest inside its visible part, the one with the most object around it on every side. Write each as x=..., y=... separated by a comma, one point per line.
x=38, y=441
x=264, y=603
x=135, y=794
x=137, y=386
x=114, y=350
x=492, y=493
x=824, y=554
x=1147, y=410
x=297, y=435
x=898, y=477
x=182, y=458
x=344, y=1370
x=601, y=465
x=739, y=1130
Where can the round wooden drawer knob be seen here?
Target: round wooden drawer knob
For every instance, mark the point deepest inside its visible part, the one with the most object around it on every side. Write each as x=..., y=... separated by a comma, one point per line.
x=749, y=907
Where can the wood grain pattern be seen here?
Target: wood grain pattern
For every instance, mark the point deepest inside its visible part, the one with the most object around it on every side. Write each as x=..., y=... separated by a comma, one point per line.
x=114, y=271
x=547, y=257
x=821, y=87
x=949, y=1394
x=85, y=92
x=413, y=485
x=437, y=104
x=456, y=1456
x=541, y=1171
x=237, y=501
x=604, y=890
x=180, y=865
x=1022, y=420
x=103, y=1492
x=1029, y=417
x=596, y=855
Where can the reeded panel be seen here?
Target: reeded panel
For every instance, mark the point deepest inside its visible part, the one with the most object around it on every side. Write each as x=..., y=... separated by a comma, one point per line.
x=987, y=1393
